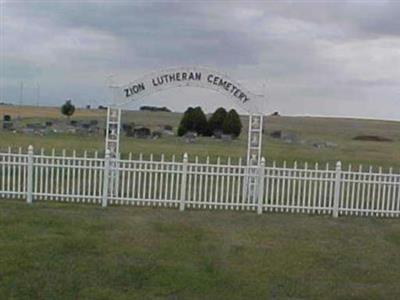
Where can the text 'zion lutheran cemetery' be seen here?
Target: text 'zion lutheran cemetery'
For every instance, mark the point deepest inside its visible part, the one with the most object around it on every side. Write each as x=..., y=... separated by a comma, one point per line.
x=175, y=77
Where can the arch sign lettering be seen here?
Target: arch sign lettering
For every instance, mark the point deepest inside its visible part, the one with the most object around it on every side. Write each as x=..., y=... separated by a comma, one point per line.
x=189, y=76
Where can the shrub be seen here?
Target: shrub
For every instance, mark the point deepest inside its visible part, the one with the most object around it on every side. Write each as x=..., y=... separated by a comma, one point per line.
x=155, y=108
x=216, y=121
x=181, y=130
x=195, y=120
x=200, y=124
x=232, y=124
x=186, y=123
x=68, y=109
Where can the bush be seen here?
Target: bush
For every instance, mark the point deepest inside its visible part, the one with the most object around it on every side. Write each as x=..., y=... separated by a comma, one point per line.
x=195, y=120
x=186, y=123
x=216, y=121
x=155, y=108
x=200, y=124
x=68, y=109
x=232, y=124
x=181, y=130
x=372, y=138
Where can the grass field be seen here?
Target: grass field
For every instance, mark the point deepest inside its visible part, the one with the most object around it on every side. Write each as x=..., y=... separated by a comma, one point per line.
x=70, y=251
x=311, y=130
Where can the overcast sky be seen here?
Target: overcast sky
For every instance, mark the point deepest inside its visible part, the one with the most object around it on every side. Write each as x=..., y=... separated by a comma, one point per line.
x=336, y=58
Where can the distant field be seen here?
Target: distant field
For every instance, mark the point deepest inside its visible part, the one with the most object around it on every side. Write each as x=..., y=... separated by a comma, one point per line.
x=76, y=251
x=47, y=112
x=310, y=130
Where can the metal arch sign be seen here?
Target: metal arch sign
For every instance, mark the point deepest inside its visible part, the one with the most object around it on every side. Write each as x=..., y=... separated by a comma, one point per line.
x=188, y=76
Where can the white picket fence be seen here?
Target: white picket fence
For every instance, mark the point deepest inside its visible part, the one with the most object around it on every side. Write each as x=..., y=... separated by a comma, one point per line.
x=195, y=184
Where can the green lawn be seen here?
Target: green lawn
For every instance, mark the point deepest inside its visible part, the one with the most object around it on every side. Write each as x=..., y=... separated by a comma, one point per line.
x=71, y=251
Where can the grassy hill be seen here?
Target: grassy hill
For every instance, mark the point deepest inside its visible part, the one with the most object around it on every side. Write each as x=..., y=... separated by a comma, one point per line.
x=76, y=251
x=308, y=130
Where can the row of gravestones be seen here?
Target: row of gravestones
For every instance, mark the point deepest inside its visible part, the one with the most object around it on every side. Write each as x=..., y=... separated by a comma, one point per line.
x=91, y=126
x=129, y=129
x=144, y=132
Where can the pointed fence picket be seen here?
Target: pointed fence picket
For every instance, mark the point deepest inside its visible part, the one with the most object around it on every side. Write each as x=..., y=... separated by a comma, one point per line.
x=199, y=184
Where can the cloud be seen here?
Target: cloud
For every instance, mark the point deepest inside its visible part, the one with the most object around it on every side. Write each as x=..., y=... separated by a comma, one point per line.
x=316, y=57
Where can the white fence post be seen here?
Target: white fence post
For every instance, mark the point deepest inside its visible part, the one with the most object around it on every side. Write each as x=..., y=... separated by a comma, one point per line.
x=338, y=179
x=260, y=186
x=183, y=182
x=106, y=177
x=29, y=180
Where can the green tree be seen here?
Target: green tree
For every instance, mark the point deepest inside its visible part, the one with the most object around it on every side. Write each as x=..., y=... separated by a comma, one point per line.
x=195, y=120
x=199, y=119
x=216, y=121
x=186, y=123
x=181, y=130
x=68, y=109
x=232, y=124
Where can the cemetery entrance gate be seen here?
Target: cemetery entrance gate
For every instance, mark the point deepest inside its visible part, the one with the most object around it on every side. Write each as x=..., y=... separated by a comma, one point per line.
x=180, y=77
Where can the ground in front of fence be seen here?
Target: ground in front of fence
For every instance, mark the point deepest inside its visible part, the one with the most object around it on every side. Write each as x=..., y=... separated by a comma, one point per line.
x=68, y=251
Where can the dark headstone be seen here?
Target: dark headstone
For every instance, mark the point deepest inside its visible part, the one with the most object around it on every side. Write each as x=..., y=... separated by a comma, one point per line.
x=156, y=134
x=217, y=133
x=35, y=126
x=141, y=132
x=277, y=134
x=190, y=137
x=8, y=125
x=226, y=137
x=168, y=127
x=128, y=128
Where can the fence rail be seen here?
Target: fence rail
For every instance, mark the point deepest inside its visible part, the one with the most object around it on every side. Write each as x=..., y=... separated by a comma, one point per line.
x=204, y=185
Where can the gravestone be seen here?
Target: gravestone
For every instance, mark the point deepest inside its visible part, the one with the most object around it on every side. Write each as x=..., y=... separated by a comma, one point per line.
x=156, y=135
x=226, y=137
x=190, y=137
x=141, y=132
